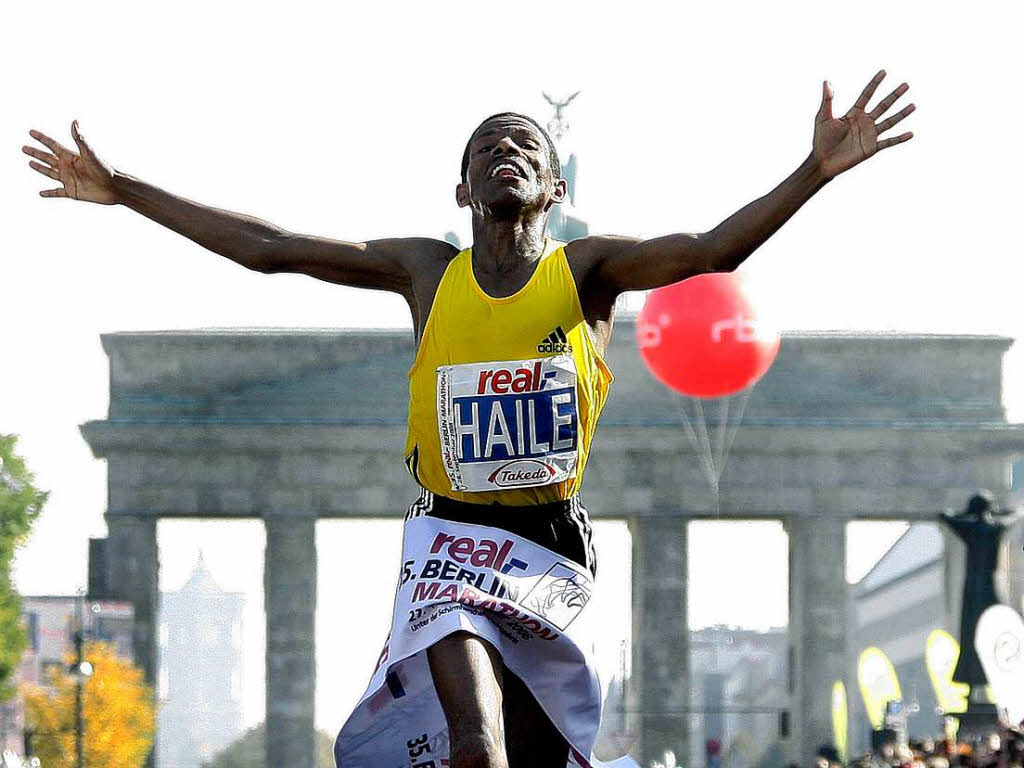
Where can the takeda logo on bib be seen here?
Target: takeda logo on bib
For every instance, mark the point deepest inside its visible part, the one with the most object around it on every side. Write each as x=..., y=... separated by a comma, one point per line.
x=521, y=472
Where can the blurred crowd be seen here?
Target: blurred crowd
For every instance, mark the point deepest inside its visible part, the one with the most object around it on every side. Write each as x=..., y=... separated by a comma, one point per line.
x=1003, y=749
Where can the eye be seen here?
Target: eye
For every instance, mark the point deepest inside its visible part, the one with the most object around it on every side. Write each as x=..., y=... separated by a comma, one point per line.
x=531, y=145
x=486, y=148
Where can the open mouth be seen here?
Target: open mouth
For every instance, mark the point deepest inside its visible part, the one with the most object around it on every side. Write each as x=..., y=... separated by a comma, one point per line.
x=506, y=170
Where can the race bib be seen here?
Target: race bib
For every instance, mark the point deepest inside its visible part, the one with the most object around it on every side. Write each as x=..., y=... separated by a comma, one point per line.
x=510, y=424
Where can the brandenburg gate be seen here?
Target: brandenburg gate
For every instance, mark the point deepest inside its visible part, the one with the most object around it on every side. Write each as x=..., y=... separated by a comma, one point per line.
x=290, y=426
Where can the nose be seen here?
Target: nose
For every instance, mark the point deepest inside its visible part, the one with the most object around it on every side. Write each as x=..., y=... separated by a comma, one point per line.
x=506, y=147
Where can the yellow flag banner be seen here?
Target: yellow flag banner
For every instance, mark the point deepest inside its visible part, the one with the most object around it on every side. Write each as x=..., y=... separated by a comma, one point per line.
x=878, y=683
x=840, y=720
x=941, y=651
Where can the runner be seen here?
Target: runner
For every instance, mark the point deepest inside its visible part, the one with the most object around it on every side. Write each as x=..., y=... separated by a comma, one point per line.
x=487, y=664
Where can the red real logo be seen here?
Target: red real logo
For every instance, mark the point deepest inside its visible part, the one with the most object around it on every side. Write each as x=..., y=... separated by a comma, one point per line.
x=502, y=381
x=485, y=554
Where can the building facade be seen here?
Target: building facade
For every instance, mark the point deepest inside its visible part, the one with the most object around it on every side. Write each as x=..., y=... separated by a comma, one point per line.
x=200, y=680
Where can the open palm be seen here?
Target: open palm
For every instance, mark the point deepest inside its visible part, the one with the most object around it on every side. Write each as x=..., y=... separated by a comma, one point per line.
x=839, y=144
x=83, y=176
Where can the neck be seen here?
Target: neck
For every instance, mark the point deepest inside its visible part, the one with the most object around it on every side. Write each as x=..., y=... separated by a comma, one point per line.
x=504, y=246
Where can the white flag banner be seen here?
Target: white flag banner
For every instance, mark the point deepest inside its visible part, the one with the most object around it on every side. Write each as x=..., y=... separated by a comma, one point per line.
x=526, y=601
x=999, y=641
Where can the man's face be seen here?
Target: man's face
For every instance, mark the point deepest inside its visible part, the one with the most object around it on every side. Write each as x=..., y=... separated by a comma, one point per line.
x=509, y=169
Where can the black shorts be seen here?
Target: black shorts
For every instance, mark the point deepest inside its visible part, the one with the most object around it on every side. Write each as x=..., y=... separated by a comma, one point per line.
x=561, y=526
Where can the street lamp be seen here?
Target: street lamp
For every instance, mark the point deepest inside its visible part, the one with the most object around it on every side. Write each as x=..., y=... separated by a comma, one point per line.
x=81, y=670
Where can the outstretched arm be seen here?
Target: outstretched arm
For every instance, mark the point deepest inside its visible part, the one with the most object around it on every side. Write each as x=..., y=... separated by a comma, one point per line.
x=839, y=144
x=957, y=523
x=253, y=243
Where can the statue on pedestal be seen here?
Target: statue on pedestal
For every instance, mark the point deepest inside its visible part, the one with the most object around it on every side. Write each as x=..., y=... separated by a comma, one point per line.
x=559, y=126
x=981, y=527
x=564, y=221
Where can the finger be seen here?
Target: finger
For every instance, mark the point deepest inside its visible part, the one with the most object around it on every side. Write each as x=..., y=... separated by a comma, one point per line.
x=887, y=102
x=53, y=193
x=55, y=146
x=885, y=125
x=892, y=142
x=79, y=139
x=869, y=90
x=83, y=146
x=38, y=154
x=825, y=111
x=45, y=170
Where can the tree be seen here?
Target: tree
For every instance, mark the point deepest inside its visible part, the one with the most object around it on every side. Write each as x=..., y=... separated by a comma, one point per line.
x=249, y=751
x=20, y=504
x=118, y=710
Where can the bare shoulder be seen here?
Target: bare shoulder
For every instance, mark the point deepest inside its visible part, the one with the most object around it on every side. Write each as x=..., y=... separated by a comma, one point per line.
x=422, y=260
x=416, y=253
x=427, y=259
x=597, y=299
x=588, y=252
x=426, y=264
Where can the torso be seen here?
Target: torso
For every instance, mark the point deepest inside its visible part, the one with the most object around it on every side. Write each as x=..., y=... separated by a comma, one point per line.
x=464, y=321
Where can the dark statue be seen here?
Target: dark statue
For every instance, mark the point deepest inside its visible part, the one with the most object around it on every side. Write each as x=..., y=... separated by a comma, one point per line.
x=981, y=527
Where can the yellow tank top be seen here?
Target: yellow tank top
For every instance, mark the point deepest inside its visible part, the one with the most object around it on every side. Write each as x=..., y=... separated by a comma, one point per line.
x=505, y=393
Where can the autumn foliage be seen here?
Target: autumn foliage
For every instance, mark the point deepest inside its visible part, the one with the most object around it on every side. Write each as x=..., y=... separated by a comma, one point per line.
x=118, y=711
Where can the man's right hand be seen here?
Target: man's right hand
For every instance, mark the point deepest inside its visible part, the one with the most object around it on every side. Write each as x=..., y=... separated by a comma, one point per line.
x=83, y=175
x=409, y=266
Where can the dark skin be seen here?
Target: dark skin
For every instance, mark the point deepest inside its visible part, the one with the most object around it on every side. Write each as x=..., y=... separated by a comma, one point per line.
x=494, y=722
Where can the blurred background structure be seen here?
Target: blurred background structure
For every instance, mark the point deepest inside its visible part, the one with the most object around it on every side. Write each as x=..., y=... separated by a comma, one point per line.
x=292, y=426
x=200, y=639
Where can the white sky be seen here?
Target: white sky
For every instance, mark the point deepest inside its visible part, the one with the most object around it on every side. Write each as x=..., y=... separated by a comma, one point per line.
x=350, y=123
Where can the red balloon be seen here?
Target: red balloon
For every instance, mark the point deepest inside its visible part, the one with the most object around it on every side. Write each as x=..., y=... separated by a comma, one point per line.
x=702, y=336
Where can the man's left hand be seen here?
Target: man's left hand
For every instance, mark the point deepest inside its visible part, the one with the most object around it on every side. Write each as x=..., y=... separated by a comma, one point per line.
x=839, y=144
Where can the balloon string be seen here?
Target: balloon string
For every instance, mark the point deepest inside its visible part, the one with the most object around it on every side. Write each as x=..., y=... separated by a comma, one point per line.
x=744, y=396
x=714, y=474
x=705, y=445
x=702, y=423
x=705, y=457
x=720, y=430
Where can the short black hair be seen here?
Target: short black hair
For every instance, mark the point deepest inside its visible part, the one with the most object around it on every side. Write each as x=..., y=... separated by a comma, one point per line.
x=556, y=166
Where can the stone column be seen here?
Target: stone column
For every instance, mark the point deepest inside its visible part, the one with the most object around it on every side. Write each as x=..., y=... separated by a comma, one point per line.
x=133, y=572
x=661, y=663
x=289, y=587
x=817, y=629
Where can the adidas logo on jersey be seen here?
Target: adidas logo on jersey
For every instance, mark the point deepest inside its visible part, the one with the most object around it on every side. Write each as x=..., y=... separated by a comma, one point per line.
x=555, y=343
